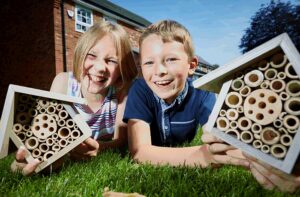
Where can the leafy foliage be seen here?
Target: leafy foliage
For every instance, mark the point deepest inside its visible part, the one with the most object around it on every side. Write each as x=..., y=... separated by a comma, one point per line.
x=271, y=20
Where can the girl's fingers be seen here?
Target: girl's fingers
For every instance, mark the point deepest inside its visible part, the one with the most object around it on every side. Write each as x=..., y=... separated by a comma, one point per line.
x=225, y=159
x=219, y=148
x=17, y=166
x=209, y=138
x=30, y=167
x=21, y=154
x=237, y=153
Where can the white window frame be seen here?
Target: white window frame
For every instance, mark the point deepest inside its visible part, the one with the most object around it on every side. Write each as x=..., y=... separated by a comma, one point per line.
x=81, y=23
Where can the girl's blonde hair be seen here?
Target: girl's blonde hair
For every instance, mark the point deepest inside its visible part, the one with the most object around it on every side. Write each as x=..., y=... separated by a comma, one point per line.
x=126, y=62
x=170, y=30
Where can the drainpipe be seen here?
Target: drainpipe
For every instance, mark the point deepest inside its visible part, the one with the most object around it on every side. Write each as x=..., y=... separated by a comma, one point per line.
x=63, y=36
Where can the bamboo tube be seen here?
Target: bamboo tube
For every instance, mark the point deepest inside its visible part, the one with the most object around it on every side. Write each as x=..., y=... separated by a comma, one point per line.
x=277, y=85
x=36, y=153
x=24, y=98
x=284, y=96
x=54, y=136
x=26, y=128
x=237, y=84
x=292, y=106
x=240, y=109
x=245, y=91
x=70, y=123
x=277, y=123
x=265, y=84
x=239, y=75
x=254, y=78
x=55, y=116
x=48, y=154
x=53, y=102
x=233, y=133
x=291, y=122
x=40, y=158
x=282, y=114
x=262, y=106
x=278, y=60
x=286, y=139
x=269, y=136
x=41, y=140
x=44, y=147
x=59, y=107
x=22, y=118
x=62, y=143
x=63, y=114
x=256, y=128
x=42, y=110
x=257, y=136
x=76, y=127
x=233, y=125
x=257, y=144
x=21, y=107
x=263, y=65
x=278, y=151
x=293, y=88
x=28, y=133
x=265, y=148
x=75, y=134
x=61, y=123
x=51, y=109
x=49, y=141
x=232, y=114
x=17, y=128
x=233, y=100
x=290, y=72
x=222, y=123
x=283, y=130
x=292, y=131
x=270, y=74
x=281, y=75
x=64, y=132
x=56, y=147
x=222, y=112
x=31, y=143
x=43, y=103
x=244, y=123
x=246, y=137
x=32, y=112
x=22, y=136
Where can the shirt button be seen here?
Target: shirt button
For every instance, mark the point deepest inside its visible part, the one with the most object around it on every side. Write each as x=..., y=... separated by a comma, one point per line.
x=166, y=127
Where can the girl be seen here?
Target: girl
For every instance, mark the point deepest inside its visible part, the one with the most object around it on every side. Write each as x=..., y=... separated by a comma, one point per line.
x=103, y=71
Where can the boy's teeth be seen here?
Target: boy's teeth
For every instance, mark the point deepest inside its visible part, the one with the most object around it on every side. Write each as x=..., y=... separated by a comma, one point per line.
x=162, y=82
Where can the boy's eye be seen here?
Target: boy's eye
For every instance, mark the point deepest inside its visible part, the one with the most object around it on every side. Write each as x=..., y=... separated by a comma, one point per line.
x=148, y=63
x=112, y=62
x=171, y=59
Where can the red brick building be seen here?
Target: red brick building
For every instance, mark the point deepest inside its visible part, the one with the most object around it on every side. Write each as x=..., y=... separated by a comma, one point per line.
x=38, y=37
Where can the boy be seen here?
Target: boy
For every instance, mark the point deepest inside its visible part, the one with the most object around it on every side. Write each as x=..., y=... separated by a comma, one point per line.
x=163, y=109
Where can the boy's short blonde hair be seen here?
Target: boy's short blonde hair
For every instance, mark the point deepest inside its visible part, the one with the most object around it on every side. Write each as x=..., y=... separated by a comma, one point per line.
x=170, y=30
x=126, y=62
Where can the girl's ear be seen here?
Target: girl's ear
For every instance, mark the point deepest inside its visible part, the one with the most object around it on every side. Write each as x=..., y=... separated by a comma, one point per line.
x=193, y=65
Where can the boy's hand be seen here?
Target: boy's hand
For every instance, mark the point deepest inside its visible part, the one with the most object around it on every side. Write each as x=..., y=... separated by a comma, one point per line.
x=20, y=164
x=222, y=153
x=272, y=178
x=86, y=150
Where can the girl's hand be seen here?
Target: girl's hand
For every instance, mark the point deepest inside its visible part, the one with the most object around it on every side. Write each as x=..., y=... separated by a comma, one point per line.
x=271, y=178
x=222, y=153
x=21, y=165
x=86, y=150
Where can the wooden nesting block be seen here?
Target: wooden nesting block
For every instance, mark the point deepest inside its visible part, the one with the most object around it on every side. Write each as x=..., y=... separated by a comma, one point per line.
x=46, y=123
x=260, y=94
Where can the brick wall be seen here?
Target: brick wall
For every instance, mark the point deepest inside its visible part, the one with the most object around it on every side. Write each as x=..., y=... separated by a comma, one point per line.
x=26, y=44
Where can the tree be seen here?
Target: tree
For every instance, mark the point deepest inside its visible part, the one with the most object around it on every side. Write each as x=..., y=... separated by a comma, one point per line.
x=271, y=20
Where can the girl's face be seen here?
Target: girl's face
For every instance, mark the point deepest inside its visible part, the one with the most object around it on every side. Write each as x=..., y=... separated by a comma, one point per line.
x=101, y=66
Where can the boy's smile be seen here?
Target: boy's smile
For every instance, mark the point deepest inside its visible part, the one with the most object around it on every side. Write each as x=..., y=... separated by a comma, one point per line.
x=165, y=66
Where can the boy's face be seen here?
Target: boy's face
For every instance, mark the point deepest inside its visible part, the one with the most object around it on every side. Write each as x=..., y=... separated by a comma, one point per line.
x=165, y=66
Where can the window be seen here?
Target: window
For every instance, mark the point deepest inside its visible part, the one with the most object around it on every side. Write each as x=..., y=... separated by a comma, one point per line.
x=110, y=19
x=83, y=18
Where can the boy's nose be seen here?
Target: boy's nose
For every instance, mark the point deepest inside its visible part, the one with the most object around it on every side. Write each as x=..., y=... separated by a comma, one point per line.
x=161, y=70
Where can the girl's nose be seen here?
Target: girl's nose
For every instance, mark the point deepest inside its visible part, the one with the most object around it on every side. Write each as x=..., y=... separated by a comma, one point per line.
x=100, y=66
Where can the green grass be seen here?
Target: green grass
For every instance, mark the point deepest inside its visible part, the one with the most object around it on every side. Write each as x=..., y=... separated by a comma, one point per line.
x=117, y=171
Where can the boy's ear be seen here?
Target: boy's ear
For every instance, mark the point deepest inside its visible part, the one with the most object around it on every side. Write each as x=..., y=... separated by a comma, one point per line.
x=193, y=65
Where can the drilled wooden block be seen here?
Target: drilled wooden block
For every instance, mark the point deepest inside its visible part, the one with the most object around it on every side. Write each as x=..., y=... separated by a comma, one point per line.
x=45, y=123
x=258, y=106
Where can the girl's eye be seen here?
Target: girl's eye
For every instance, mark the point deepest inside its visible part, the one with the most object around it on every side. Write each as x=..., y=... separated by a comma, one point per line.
x=91, y=56
x=112, y=62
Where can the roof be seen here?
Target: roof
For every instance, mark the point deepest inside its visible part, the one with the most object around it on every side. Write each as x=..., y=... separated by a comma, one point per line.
x=202, y=61
x=119, y=11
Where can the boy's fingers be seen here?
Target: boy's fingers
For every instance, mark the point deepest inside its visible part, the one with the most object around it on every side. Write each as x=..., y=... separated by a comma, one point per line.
x=92, y=143
x=237, y=153
x=225, y=159
x=21, y=154
x=262, y=180
x=219, y=148
x=17, y=166
x=30, y=167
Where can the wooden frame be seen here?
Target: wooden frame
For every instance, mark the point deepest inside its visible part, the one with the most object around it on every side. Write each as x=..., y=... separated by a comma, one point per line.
x=219, y=81
x=10, y=117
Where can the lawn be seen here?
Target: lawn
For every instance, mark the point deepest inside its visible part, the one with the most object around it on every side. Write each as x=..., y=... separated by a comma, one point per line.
x=117, y=171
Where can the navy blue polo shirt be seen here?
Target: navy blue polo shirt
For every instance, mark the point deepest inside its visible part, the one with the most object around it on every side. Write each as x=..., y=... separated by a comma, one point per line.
x=170, y=124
